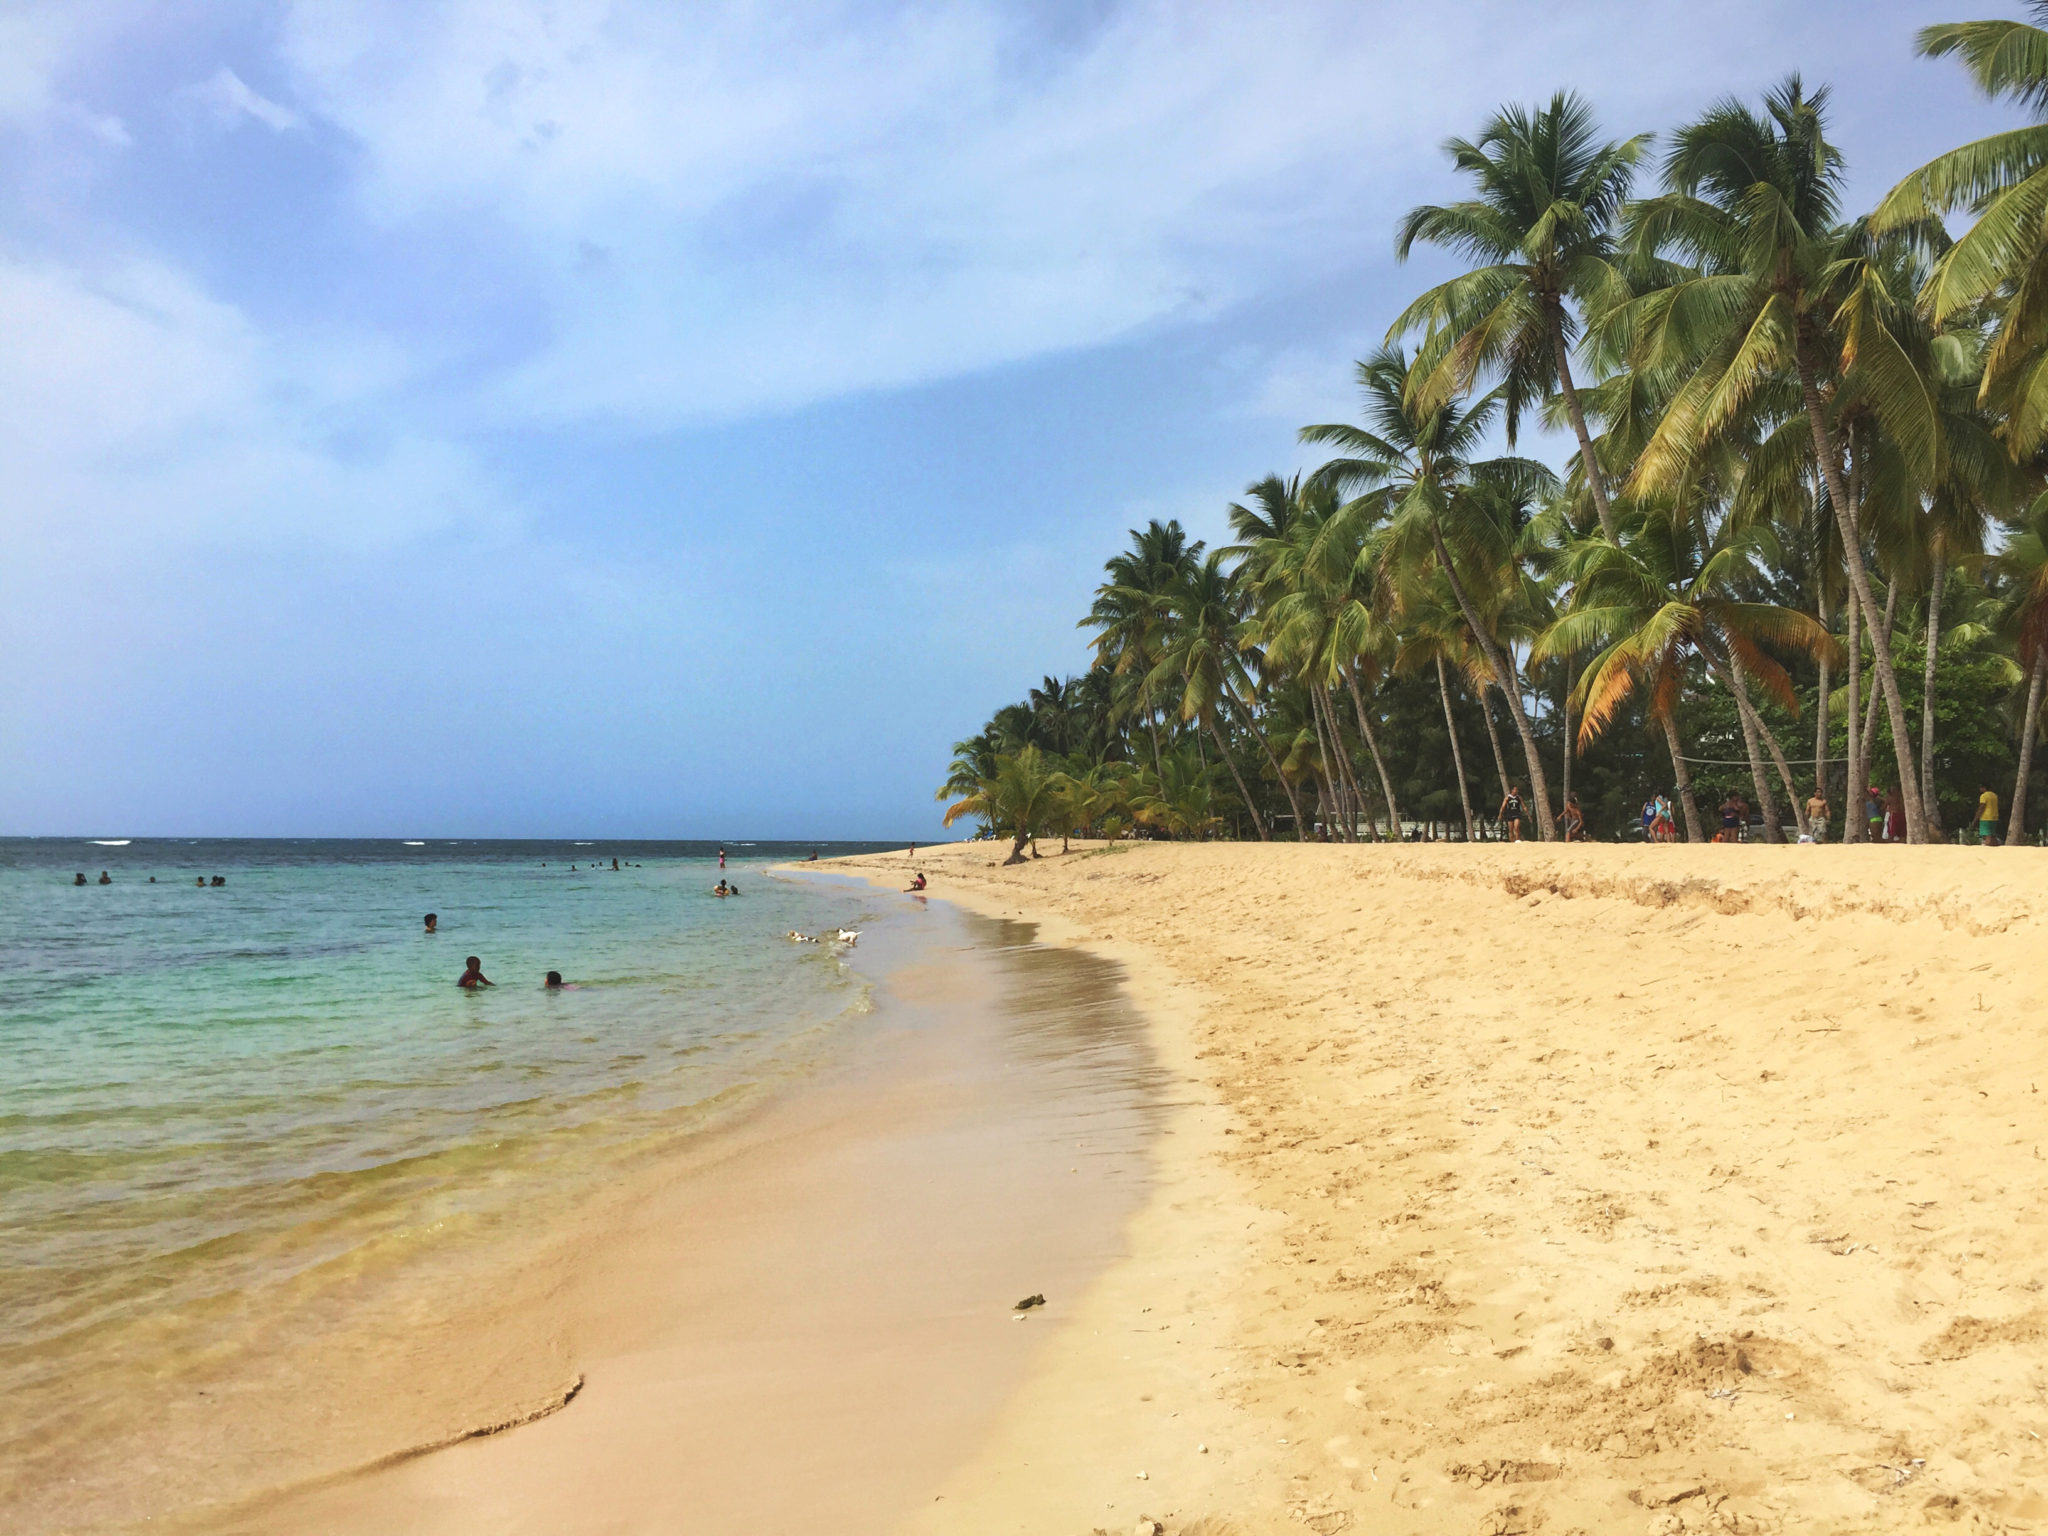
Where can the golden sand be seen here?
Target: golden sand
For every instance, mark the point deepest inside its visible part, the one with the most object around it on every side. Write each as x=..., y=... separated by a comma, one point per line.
x=1552, y=1189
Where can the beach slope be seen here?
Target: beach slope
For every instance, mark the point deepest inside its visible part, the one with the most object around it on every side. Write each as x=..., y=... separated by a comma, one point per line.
x=1542, y=1189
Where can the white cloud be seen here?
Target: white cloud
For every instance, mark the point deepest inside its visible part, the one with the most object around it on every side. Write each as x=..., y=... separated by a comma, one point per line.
x=227, y=98
x=143, y=410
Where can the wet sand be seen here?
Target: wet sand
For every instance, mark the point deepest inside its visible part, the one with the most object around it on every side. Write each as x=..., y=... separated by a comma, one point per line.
x=806, y=1323
x=1550, y=1190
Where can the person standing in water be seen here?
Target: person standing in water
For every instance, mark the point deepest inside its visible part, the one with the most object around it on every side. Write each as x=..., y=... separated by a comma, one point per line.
x=433, y=923
x=474, y=976
x=721, y=858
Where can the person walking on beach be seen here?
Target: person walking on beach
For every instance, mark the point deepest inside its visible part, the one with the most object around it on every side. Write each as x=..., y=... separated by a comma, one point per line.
x=1663, y=828
x=1510, y=815
x=1987, y=815
x=1817, y=814
x=1574, y=820
x=474, y=976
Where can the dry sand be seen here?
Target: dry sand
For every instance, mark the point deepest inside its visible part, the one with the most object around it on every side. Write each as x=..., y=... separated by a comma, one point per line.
x=1526, y=1189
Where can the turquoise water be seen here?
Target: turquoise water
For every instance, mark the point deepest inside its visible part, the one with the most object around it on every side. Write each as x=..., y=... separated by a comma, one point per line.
x=211, y=1094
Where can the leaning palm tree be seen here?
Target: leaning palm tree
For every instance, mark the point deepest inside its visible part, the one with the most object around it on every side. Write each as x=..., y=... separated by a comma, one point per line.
x=1415, y=474
x=1550, y=195
x=1779, y=291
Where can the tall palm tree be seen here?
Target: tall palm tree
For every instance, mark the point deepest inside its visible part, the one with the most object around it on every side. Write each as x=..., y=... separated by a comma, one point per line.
x=1550, y=195
x=1200, y=655
x=1414, y=471
x=1129, y=611
x=1780, y=290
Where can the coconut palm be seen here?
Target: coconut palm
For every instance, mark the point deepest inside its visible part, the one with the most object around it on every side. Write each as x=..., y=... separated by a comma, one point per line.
x=1550, y=195
x=1017, y=799
x=2000, y=265
x=1780, y=291
x=1414, y=473
x=2024, y=565
x=1199, y=656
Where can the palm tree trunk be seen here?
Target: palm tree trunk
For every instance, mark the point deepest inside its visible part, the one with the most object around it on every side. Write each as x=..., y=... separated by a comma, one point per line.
x=1693, y=834
x=1347, y=776
x=1596, y=482
x=1730, y=677
x=1854, y=822
x=1930, y=803
x=1251, y=717
x=1443, y=689
x=1504, y=673
x=1571, y=681
x=1859, y=579
x=1328, y=775
x=1500, y=764
x=1771, y=746
x=2016, y=823
x=1820, y=710
x=1372, y=745
x=1258, y=821
x=1891, y=609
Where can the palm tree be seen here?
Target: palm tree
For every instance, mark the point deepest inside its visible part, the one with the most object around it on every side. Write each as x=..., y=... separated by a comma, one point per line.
x=1018, y=798
x=1542, y=227
x=2024, y=564
x=1414, y=469
x=1180, y=798
x=1129, y=613
x=1199, y=652
x=1780, y=290
x=2000, y=265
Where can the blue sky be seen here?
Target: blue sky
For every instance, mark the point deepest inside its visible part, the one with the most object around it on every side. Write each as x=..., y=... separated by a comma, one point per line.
x=591, y=417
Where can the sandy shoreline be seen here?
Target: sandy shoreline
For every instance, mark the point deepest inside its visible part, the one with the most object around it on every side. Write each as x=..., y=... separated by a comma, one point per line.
x=802, y=1320
x=1552, y=1189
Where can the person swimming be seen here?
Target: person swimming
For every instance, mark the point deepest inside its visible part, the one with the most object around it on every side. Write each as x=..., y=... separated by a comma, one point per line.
x=433, y=923
x=219, y=880
x=196, y=879
x=105, y=878
x=474, y=976
x=81, y=878
x=554, y=981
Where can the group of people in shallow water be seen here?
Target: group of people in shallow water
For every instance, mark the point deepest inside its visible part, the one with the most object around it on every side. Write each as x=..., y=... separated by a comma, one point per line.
x=107, y=879
x=473, y=976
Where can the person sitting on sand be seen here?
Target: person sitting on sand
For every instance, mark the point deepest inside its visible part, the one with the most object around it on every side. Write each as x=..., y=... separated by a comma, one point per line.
x=916, y=882
x=474, y=977
x=1510, y=814
x=1987, y=814
x=433, y=923
x=1574, y=820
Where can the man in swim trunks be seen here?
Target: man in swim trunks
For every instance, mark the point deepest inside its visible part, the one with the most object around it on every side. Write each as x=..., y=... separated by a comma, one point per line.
x=474, y=977
x=1987, y=815
x=1817, y=814
x=1511, y=812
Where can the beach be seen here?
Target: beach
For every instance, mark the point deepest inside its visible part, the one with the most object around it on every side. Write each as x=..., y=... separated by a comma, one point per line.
x=1542, y=1188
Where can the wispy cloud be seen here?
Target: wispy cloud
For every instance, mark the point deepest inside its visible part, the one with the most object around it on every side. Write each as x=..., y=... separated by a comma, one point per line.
x=228, y=99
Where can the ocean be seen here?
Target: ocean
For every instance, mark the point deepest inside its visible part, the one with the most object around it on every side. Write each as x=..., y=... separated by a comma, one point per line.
x=225, y=1108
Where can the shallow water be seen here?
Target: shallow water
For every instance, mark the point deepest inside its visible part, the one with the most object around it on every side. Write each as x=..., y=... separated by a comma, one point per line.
x=219, y=1105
